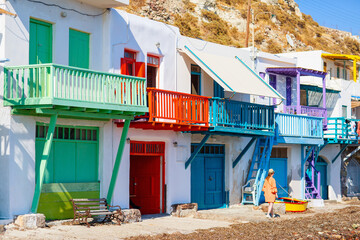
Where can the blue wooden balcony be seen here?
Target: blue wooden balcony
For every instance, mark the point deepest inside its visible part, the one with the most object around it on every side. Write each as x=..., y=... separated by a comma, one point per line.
x=342, y=131
x=235, y=117
x=298, y=129
x=73, y=92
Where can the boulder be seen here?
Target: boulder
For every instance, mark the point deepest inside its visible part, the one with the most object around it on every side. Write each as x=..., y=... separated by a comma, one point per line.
x=184, y=209
x=279, y=208
x=30, y=221
x=131, y=215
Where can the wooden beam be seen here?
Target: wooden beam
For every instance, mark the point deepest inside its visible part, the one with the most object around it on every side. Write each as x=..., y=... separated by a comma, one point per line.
x=43, y=162
x=118, y=161
x=242, y=153
x=197, y=150
x=2, y=11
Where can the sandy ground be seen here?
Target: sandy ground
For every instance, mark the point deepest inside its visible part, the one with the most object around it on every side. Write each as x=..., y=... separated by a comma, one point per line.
x=228, y=221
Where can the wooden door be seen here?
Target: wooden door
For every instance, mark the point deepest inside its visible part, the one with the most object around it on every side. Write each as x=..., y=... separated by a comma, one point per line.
x=40, y=42
x=79, y=49
x=145, y=184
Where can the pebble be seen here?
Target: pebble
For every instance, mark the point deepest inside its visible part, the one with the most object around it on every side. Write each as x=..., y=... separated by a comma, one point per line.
x=355, y=226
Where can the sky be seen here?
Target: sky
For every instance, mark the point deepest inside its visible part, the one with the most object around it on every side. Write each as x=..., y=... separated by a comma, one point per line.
x=339, y=14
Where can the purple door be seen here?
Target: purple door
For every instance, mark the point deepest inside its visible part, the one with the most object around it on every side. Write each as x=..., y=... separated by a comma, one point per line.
x=272, y=82
x=288, y=91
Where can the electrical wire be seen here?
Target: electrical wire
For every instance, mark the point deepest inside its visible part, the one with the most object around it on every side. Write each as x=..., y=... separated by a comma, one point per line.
x=69, y=9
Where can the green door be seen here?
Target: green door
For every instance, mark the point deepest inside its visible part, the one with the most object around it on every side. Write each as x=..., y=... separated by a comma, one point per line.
x=40, y=49
x=79, y=49
x=72, y=169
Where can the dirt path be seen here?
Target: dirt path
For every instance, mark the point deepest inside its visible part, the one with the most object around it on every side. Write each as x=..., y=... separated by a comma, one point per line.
x=337, y=221
x=341, y=224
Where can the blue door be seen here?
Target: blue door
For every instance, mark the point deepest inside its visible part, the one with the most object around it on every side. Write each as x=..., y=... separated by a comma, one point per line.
x=207, y=180
x=321, y=166
x=280, y=167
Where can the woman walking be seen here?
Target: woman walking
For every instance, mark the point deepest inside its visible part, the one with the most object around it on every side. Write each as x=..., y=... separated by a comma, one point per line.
x=270, y=192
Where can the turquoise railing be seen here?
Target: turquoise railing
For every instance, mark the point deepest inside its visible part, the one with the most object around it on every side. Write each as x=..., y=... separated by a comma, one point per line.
x=289, y=125
x=236, y=114
x=51, y=81
x=342, y=130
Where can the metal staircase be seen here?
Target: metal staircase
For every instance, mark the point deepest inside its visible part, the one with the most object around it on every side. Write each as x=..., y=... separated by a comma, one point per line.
x=312, y=176
x=258, y=171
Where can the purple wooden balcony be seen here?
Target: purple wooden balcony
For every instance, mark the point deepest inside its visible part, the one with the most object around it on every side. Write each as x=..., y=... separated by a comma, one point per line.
x=310, y=111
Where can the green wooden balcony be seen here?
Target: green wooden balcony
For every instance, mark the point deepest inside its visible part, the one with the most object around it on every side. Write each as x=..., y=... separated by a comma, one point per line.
x=43, y=88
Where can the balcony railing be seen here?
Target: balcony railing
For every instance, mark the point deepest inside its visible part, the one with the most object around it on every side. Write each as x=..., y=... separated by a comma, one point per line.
x=241, y=115
x=310, y=111
x=178, y=108
x=47, y=84
x=289, y=125
x=342, y=130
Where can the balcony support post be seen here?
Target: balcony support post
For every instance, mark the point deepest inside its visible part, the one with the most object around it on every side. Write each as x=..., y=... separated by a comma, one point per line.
x=298, y=107
x=43, y=162
x=118, y=161
x=340, y=152
x=197, y=150
x=354, y=70
x=242, y=153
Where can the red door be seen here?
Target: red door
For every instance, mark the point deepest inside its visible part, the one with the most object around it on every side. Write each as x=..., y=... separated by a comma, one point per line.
x=145, y=183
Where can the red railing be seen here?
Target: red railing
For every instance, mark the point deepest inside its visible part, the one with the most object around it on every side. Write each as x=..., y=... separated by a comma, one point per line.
x=175, y=107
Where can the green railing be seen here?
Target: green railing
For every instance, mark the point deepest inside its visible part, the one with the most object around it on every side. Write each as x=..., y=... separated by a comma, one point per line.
x=30, y=85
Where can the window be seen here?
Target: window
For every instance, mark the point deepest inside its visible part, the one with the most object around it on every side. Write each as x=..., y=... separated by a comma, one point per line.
x=344, y=111
x=195, y=80
x=152, y=70
x=128, y=63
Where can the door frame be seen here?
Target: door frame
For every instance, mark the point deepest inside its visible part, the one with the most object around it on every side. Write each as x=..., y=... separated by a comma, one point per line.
x=142, y=148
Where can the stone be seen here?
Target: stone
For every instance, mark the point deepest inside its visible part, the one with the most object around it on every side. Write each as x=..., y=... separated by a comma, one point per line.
x=279, y=208
x=184, y=210
x=131, y=215
x=355, y=226
x=30, y=221
x=2, y=228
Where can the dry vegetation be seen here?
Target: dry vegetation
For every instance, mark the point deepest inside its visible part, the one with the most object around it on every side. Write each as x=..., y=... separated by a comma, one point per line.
x=273, y=22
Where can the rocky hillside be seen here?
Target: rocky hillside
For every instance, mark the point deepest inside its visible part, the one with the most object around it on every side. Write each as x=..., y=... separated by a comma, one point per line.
x=224, y=22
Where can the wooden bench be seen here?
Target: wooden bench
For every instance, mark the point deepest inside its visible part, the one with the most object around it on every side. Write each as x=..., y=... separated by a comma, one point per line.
x=85, y=208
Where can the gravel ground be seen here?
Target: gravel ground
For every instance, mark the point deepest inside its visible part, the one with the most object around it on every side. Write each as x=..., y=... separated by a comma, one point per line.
x=341, y=224
x=335, y=221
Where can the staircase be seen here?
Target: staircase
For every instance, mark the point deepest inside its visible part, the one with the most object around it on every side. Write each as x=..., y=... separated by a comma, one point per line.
x=312, y=177
x=258, y=171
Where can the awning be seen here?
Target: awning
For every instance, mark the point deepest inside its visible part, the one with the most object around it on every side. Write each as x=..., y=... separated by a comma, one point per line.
x=232, y=74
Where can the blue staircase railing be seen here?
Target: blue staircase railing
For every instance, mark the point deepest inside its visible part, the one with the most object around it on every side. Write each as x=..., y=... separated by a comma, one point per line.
x=312, y=177
x=258, y=171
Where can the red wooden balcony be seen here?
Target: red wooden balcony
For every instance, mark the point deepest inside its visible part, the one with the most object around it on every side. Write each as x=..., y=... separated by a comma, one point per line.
x=169, y=110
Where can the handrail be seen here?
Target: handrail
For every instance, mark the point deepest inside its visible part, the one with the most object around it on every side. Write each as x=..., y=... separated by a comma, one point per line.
x=236, y=114
x=290, y=125
x=74, y=84
x=175, y=107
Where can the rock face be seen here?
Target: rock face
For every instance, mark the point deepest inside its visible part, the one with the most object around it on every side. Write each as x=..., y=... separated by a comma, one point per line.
x=30, y=221
x=131, y=215
x=184, y=210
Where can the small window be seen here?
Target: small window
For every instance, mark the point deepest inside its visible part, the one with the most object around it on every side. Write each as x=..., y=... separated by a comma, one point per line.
x=130, y=55
x=195, y=80
x=303, y=97
x=152, y=60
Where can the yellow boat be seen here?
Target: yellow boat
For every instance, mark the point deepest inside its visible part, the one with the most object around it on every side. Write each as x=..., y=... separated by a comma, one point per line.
x=293, y=204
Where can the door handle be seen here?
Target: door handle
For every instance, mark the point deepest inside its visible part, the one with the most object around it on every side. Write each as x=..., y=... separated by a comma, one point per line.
x=134, y=183
x=210, y=179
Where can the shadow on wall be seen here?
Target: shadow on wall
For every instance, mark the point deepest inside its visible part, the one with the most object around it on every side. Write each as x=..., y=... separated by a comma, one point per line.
x=4, y=173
